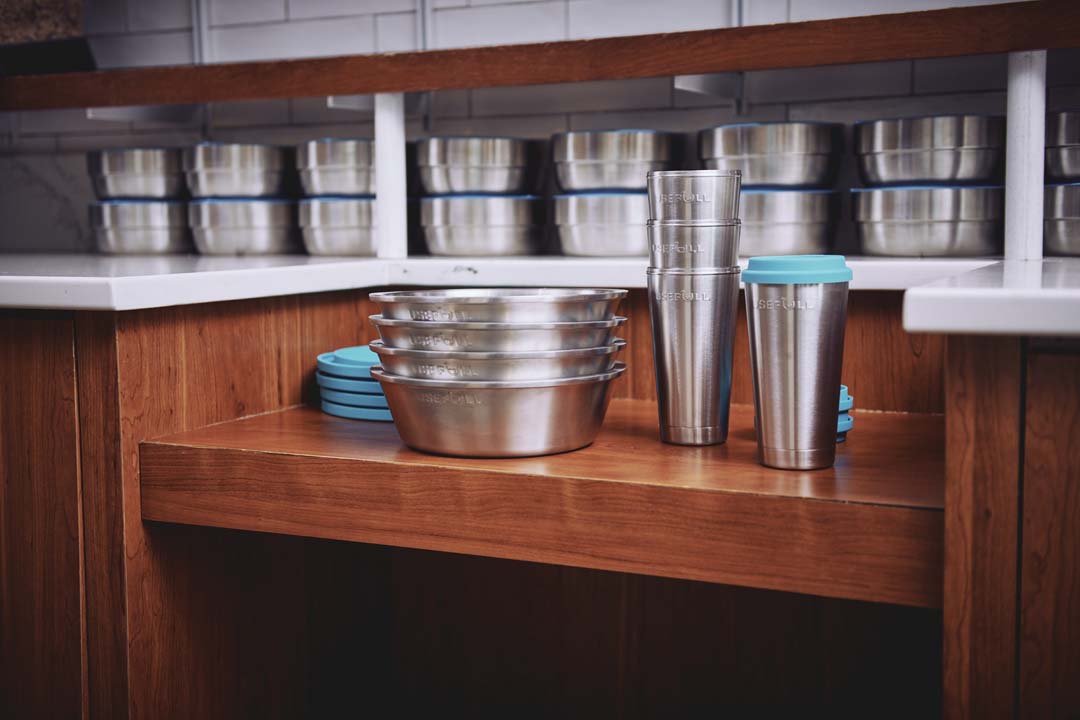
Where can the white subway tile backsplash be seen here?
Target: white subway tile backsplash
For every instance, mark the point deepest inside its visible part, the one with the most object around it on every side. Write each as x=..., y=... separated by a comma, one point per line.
x=687, y=121
x=836, y=81
x=534, y=126
x=142, y=49
x=1063, y=67
x=499, y=24
x=439, y=4
x=450, y=103
x=98, y=141
x=249, y=112
x=313, y=111
x=1065, y=97
x=573, y=97
x=291, y=135
x=851, y=111
x=301, y=9
x=19, y=144
x=607, y=18
x=962, y=74
x=39, y=122
x=158, y=15
x=395, y=32
x=824, y=9
x=238, y=12
x=307, y=38
x=104, y=16
x=765, y=12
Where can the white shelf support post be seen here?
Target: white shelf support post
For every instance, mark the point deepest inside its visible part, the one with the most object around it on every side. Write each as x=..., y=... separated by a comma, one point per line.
x=391, y=218
x=1025, y=153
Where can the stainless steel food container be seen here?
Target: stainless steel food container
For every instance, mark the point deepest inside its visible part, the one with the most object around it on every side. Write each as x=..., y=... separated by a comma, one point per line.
x=787, y=222
x=472, y=164
x=140, y=227
x=798, y=154
x=602, y=224
x=1061, y=235
x=512, y=366
x=235, y=170
x=243, y=227
x=609, y=159
x=1063, y=146
x=498, y=419
x=930, y=221
x=338, y=226
x=507, y=305
x=694, y=195
x=693, y=317
x=136, y=173
x=954, y=149
x=482, y=224
x=688, y=246
x=495, y=336
x=337, y=166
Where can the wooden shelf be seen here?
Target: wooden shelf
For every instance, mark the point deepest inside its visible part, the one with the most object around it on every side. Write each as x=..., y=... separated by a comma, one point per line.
x=870, y=528
x=951, y=32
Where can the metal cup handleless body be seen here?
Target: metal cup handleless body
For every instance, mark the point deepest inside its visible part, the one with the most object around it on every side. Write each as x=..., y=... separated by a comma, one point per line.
x=796, y=308
x=693, y=325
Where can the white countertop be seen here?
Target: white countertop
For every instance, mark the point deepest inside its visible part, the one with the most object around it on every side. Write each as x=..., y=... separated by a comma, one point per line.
x=980, y=296
x=98, y=282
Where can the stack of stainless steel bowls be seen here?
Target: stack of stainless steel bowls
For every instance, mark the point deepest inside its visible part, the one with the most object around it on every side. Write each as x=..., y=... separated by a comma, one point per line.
x=786, y=164
x=338, y=175
x=934, y=175
x=498, y=372
x=477, y=205
x=139, y=211
x=1062, y=209
x=239, y=208
x=602, y=172
x=693, y=299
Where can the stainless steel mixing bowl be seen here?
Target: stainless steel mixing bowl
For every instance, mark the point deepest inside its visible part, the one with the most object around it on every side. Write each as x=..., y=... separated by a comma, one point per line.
x=337, y=166
x=954, y=149
x=498, y=419
x=602, y=224
x=930, y=221
x=495, y=336
x=787, y=222
x=690, y=246
x=472, y=164
x=1061, y=224
x=694, y=195
x=134, y=227
x=338, y=226
x=609, y=159
x=1063, y=146
x=800, y=154
x=235, y=170
x=470, y=225
x=243, y=227
x=515, y=366
x=509, y=305
x=136, y=173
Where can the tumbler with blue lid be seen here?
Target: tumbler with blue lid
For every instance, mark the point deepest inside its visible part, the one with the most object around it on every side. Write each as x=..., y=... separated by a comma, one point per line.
x=796, y=309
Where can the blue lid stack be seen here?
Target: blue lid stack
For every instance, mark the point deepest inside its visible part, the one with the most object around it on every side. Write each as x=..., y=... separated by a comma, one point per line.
x=346, y=387
x=844, y=421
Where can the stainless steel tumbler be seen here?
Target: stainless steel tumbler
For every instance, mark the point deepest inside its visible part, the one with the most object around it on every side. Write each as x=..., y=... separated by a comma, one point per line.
x=693, y=325
x=796, y=308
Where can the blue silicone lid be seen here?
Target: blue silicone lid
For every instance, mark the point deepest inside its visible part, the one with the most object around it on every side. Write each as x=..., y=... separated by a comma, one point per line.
x=796, y=269
x=349, y=362
x=846, y=401
x=844, y=423
x=353, y=399
x=354, y=385
x=356, y=413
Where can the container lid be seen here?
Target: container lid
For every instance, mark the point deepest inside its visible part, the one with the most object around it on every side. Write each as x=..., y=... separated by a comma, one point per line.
x=844, y=423
x=366, y=385
x=353, y=399
x=796, y=269
x=846, y=401
x=356, y=413
x=348, y=362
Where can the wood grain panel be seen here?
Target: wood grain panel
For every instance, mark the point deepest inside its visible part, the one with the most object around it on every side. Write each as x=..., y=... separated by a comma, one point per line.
x=1050, y=597
x=937, y=33
x=41, y=612
x=983, y=419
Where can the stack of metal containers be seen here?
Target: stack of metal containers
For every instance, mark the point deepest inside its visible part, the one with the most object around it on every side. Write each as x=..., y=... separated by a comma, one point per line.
x=1061, y=235
x=498, y=372
x=338, y=176
x=693, y=279
x=478, y=202
x=786, y=168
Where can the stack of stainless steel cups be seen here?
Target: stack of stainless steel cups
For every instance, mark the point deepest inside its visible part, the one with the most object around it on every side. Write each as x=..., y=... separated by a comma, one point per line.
x=693, y=299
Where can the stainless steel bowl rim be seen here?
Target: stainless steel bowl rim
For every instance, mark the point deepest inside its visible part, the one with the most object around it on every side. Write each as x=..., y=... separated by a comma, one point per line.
x=306, y=160
x=866, y=143
x=468, y=296
x=1057, y=198
x=746, y=136
x=616, y=345
x=1062, y=129
x=433, y=325
x=381, y=375
x=654, y=146
x=659, y=174
x=861, y=211
x=692, y=223
x=733, y=270
x=195, y=156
